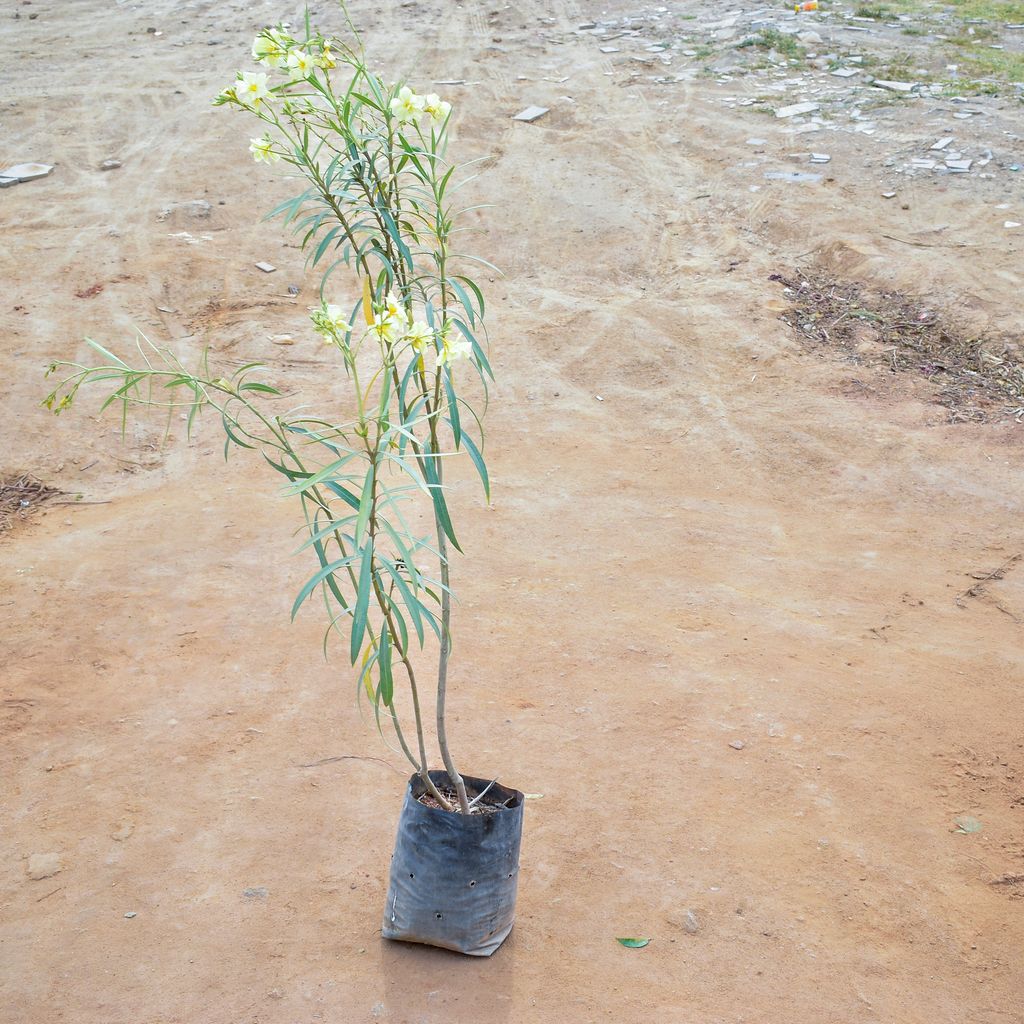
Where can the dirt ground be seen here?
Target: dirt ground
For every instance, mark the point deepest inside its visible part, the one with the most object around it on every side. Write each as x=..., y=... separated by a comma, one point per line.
x=710, y=618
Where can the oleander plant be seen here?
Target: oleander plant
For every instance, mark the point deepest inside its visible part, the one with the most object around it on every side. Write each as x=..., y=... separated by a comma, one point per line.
x=378, y=217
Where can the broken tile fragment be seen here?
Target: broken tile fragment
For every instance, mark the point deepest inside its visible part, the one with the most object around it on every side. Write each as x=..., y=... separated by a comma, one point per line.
x=27, y=172
x=530, y=114
x=795, y=109
x=267, y=268
x=894, y=86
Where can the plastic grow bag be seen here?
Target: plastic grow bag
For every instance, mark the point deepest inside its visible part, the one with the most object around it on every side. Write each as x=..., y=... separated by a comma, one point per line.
x=454, y=876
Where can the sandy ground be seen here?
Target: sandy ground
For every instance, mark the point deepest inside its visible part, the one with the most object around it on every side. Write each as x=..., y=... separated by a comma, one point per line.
x=736, y=544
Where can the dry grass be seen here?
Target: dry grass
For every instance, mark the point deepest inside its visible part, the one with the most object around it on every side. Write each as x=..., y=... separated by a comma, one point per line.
x=20, y=496
x=975, y=378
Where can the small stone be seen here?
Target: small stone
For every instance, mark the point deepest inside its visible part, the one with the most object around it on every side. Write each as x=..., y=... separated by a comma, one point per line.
x=820, y=158
x=757, y=142
x=293, y=289
x=845, y=72
x=110, y=165
x=610, y=49
x=937, y=147
x=737, y=744
x=888, y=195
x=958, y=166
x=43, y=865
x=530, y=114
x=795, y=109
x=255, y=892
x=1011, y=223
x=894, y=86
x=282, y=339
x=267, y=268
x=690, y=922
x=131, y=914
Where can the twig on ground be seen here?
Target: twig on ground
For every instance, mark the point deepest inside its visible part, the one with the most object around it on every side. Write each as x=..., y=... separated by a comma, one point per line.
x=350, y=757
x=978, y=589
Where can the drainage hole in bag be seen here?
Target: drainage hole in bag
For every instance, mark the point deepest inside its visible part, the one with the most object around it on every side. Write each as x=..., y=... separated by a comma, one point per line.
x=471, y=884
x=439, y=915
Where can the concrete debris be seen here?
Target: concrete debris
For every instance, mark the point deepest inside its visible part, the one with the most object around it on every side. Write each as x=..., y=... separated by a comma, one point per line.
x=796, y=109
x=267, y=268
x=530, y=114
x=26, y=172
x=845, y=72
x=941, y=144
x=820, y=158
x=110, y=165
x=894, y=86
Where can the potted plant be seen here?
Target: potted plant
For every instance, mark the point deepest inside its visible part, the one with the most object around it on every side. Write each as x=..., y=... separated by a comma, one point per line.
x=378, y=200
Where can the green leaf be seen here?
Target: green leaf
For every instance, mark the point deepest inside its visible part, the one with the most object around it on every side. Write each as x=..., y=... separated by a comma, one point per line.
x=453, y=407
x=103, y=352
x=365, y=504
x=440, y=505
x=386, y=690
x=478, y=461
x=410, y=602
x=633, y=943
x=477, y=350
x=362, y=602
x=324, y=243
x=464, y=299
x=321, y=475
x=318, y=578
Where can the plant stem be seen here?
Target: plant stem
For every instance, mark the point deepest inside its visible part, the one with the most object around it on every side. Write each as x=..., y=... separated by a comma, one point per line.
x=442, y=675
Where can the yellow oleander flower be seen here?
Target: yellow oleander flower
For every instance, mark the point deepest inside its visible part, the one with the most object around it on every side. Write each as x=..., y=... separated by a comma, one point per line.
x=251, y=88
x=436, y=108
x=330, y=321
x=262, y=151
x=407, y=106
x=301, y=63
x=453, y=350
x=387, y=327
x=270, y=48
x=420, y=337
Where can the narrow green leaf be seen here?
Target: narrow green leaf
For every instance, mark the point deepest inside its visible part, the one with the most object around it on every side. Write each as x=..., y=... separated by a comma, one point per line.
x=365, y=505
x=453, y=407
x=478, y=461
x=362, y=601
x=410, y=601
x=440, y=505
x=386, y=690
x=318, y=577
x=324, y=243
x=321, y=475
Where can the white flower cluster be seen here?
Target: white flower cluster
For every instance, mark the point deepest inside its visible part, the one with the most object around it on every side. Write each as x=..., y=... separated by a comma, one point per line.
x=392, y=326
